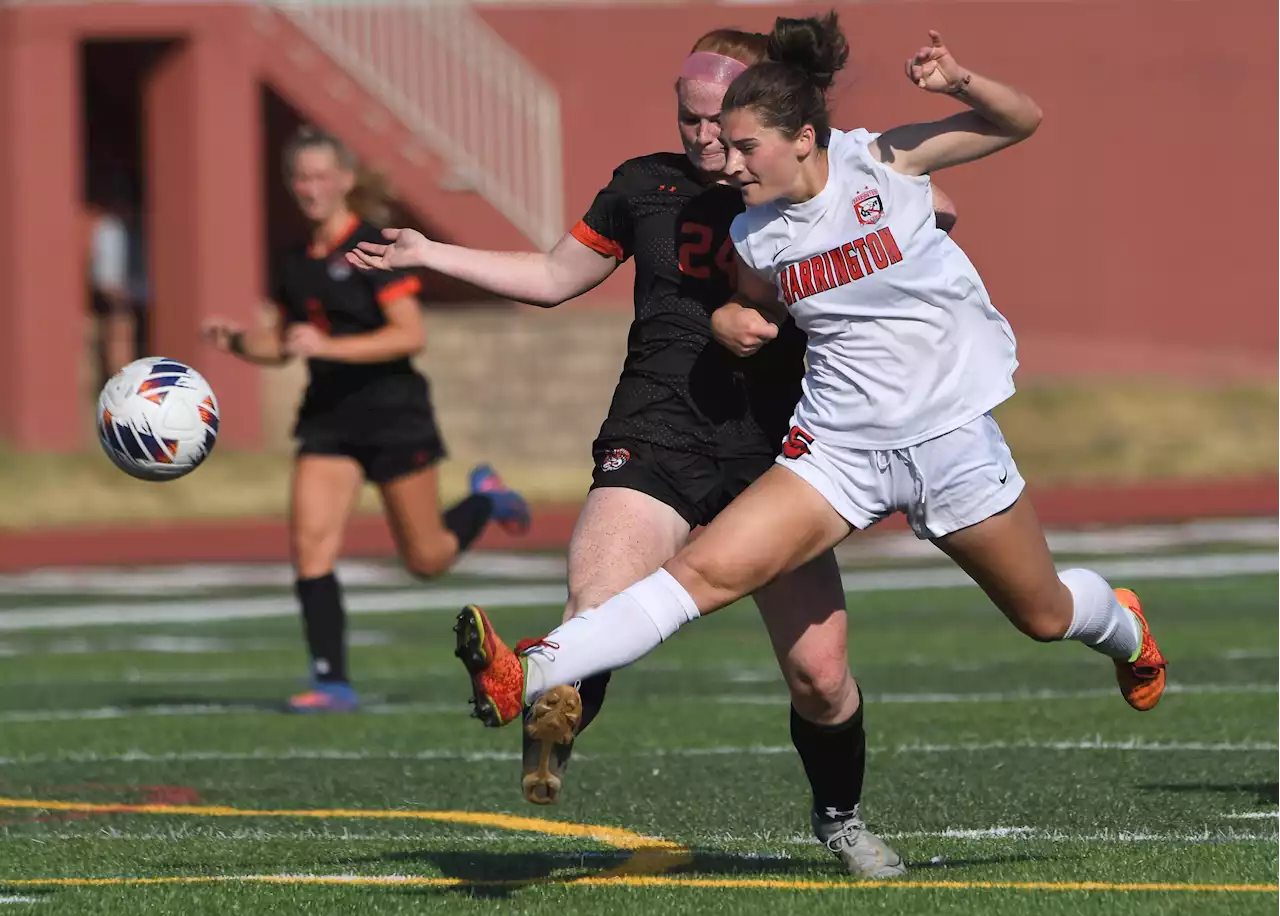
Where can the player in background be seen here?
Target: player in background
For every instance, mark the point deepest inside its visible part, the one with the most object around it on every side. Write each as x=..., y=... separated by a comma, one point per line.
x=906, y=358
x=689, y=428
x=366, y=415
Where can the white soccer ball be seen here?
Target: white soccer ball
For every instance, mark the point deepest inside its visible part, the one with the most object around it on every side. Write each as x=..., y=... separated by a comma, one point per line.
x=157, y=419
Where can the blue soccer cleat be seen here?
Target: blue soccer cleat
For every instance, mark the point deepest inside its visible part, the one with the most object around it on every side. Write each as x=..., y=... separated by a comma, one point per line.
x=509, y=508
x=325, y=696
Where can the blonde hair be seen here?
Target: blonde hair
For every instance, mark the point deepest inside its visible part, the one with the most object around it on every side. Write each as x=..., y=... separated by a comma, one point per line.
x=370, y=195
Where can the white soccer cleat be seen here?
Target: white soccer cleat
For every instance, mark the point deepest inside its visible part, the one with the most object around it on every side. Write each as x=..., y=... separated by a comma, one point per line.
x=863, y=853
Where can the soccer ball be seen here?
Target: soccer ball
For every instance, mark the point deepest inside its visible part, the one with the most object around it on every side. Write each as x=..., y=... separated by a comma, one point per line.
x=157, y=419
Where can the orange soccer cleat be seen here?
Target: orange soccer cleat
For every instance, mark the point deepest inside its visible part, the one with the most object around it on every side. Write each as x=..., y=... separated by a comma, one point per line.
x=1142, y=677
x=497, y=673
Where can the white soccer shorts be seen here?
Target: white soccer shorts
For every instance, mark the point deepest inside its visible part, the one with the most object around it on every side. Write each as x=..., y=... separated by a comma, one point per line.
x=956, y=480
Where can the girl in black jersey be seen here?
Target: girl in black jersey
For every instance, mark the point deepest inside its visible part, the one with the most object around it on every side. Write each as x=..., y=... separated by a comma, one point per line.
x=366, y=414
x=690, y=427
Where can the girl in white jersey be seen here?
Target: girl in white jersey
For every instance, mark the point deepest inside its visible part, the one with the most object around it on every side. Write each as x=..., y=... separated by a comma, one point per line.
x=906, y=357
x=640, y=509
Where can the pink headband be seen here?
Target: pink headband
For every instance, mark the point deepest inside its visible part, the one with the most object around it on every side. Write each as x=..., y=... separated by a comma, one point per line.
x=709, y=67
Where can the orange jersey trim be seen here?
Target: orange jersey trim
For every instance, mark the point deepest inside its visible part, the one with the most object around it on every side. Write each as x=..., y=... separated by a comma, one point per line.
x=317, y=250
x=596, y=242
x=407, y=286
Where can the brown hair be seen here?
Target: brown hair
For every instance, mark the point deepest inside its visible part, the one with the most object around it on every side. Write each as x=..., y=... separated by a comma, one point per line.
x=789, y=90
x=369, y=196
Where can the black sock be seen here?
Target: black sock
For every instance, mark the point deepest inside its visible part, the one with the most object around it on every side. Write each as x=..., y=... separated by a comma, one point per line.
x=835, y=760
x=592, y=692
x=467, y=519
x=325, y=624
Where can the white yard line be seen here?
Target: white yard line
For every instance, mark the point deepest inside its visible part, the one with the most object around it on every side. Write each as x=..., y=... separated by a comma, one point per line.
x=174, y=644
x=344, y=755
x=1131, y=539
x=1187, y=567
x=209, y=709
x=232, y=707
x=189, y=611
x=1071, y=836
x=269, y=756
x=1012, y=696
x=1095, y=744
x=197, y=577
x=706, y=845
x=519, y=596
x=213, y=676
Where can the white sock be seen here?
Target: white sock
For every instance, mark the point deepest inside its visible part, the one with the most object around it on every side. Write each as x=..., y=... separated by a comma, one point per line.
x=622, y=630
x=1098, y=619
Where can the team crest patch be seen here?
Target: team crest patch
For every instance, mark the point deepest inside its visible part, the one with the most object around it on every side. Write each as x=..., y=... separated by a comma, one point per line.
x=868, y=207
x=614, y=459
x=796, y=444
x=339, y=270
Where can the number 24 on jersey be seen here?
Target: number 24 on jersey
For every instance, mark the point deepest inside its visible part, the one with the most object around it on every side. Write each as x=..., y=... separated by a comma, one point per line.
x=693, y=253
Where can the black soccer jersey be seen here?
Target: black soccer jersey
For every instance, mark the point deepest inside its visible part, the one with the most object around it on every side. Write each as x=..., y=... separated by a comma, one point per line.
x=679, y=388
x=321, y=287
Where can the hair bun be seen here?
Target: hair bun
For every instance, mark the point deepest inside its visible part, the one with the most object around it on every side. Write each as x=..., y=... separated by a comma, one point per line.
x=815, y=46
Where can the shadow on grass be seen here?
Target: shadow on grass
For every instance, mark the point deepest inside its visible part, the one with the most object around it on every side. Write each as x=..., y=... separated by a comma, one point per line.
x=498, y=875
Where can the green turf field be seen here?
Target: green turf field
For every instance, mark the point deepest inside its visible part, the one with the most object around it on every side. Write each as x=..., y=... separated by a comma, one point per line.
x=1010, y=774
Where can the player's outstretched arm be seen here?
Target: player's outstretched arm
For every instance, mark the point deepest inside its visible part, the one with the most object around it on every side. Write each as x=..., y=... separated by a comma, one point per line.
x=538, y=278
x=1001, y=116
x=401, y=336
x=260, y=345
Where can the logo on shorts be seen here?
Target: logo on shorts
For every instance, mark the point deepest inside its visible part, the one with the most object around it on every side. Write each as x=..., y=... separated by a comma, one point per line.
x=868, y=207
x=339, y=270
x=614, y=459
x=796, y=444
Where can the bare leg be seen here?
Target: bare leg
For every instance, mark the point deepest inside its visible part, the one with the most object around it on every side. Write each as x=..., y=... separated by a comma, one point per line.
x=323, y=494
x=621, y=537
x=412, y=506
x=778, y=524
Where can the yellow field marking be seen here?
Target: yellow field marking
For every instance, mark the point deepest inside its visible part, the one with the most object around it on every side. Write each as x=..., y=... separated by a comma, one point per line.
x=612, y=836
x=646, y=881
x=650, y=855
x=647, y=862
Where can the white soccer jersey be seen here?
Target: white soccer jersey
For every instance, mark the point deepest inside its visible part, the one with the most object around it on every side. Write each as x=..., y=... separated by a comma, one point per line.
x=904, y=344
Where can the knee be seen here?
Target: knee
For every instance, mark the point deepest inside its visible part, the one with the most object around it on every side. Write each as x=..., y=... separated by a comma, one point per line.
x=821, y=691
x=576, y=604
x=1042, y=630
x=1049, y=620
x=712, y=580
x=426, y=561
x=315, y=552
x=586, y=592
x=1045, y=624
x=591, y=588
